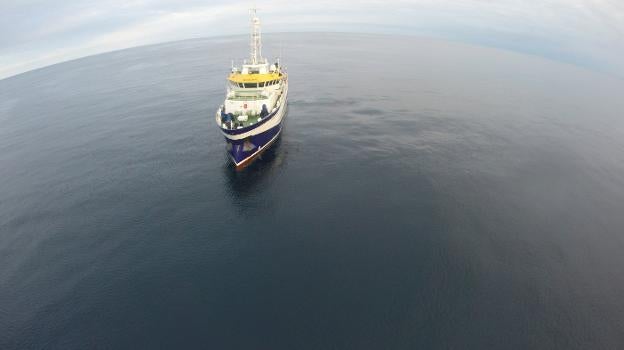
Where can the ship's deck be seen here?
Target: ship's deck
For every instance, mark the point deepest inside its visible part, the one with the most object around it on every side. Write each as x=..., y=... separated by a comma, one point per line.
x=251, y=120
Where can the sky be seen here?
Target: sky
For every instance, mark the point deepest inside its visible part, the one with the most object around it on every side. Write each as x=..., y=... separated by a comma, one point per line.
x=38, y=33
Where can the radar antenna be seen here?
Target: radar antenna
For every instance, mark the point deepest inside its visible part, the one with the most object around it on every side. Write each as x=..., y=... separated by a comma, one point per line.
x=256, y=40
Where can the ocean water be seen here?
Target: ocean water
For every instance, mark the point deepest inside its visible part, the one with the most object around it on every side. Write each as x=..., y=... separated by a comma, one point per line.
x=424, y=194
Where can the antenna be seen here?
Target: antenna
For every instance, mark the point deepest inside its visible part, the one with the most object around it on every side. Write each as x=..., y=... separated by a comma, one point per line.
x=279, y=59
x=255, y=39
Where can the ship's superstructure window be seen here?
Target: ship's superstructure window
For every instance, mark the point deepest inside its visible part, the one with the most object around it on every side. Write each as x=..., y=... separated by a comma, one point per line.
x=254, y=85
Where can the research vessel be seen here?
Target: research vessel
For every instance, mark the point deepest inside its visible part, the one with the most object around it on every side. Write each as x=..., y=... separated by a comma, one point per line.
x=252, y=116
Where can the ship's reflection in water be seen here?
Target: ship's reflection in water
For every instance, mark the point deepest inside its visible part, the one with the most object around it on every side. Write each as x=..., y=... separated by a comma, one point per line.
x=245, y=182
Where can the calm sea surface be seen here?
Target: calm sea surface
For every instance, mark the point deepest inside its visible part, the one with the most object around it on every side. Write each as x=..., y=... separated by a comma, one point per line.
x=424, y=194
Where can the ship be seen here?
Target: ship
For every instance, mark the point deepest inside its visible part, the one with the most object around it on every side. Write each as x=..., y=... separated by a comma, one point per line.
x=252, y=116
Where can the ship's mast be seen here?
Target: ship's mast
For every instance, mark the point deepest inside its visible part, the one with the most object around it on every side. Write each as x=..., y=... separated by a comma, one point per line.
x=256, y=42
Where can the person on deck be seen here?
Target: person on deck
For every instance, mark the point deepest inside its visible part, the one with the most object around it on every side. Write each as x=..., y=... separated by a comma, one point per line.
x=264, y=112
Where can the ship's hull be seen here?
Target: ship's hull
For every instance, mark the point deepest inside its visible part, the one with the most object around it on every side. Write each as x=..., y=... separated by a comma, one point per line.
x=243, y=152
x=245, y=145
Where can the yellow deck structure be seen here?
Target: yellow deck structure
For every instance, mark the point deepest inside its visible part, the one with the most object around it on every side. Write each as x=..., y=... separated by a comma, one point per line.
x=253, y=78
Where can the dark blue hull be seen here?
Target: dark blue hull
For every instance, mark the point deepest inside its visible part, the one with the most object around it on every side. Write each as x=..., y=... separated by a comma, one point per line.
x=245, y=150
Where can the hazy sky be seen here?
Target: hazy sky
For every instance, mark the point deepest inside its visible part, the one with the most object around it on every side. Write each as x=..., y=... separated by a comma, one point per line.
x=37, y=33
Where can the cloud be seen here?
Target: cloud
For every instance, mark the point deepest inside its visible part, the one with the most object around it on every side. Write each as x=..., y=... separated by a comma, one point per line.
x=36, y=33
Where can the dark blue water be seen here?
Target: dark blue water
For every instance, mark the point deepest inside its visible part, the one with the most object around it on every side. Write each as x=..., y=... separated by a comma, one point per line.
x=424, y=194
